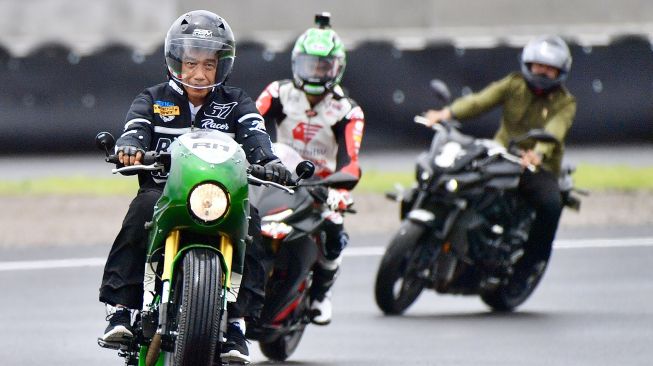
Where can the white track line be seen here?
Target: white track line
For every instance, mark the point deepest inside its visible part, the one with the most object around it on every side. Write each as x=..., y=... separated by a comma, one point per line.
x=350, y=252
x=52, y=263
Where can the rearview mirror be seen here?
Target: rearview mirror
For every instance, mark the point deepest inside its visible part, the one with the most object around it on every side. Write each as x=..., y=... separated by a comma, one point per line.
x=540, y=135
x=105, y=141
x=441, y=91
x=537, y=134
x=305, y=169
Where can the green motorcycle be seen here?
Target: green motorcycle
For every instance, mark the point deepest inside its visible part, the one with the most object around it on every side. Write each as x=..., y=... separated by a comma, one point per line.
x=196, y=248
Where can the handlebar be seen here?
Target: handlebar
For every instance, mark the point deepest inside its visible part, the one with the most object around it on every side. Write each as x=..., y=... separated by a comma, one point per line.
x=445, y=126
x=440, y=126
x=515, y=159
x=256, y=176
x=151, y=161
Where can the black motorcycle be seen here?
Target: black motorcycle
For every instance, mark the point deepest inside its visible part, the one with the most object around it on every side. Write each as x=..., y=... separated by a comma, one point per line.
x=292, y=230
x=464, y=225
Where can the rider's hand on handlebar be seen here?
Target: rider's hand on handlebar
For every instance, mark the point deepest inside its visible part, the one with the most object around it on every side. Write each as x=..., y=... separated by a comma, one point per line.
x=338, y=199
x=530, y=158
x=436, y=116
x=130, y=155
x=276, y=172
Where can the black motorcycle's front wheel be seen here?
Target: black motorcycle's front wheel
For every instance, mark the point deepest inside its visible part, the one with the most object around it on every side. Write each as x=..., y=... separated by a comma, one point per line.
x=282, y=347
x=397, y=281
x=517, y=289
x=198, y=304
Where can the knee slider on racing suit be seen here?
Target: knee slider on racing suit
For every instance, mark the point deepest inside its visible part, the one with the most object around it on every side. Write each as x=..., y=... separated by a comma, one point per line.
x=335, y=240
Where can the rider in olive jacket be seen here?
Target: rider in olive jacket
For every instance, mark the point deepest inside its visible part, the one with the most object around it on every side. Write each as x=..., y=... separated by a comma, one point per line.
x=523, y=110
x=534, y=98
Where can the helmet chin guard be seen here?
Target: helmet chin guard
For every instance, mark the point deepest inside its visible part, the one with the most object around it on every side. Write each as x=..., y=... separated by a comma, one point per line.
x=547, y=50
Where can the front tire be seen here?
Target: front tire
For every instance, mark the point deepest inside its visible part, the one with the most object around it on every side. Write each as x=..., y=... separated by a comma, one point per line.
x=397, y=282
x=198, y=296
x=517, y=290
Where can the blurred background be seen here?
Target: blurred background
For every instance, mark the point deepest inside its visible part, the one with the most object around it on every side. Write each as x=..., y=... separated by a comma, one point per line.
x=70, y=68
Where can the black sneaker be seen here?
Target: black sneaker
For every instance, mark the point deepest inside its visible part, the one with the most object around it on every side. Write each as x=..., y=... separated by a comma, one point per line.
x=234, y=349
x=119, y=329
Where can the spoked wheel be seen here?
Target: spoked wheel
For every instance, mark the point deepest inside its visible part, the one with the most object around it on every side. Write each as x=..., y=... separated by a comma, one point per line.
x=397, y=282
x=281, y=348
x=198, y=299
x=517, y=290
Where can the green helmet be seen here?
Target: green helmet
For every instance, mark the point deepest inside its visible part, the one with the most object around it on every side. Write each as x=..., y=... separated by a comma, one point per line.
x=318, y=58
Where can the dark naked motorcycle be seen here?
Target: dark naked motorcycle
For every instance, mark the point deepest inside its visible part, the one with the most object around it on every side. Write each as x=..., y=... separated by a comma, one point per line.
x=464, y=226
x=292, y=229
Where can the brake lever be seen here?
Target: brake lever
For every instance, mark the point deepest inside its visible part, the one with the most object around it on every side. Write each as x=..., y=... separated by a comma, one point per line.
x=267, y=183
x=132, y=168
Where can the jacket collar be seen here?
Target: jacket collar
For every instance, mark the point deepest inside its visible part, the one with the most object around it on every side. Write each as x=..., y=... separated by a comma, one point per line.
x=179, y=89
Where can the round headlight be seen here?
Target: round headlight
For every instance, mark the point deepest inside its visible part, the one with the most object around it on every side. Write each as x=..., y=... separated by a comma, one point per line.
x=208, y=202
x=451, y=185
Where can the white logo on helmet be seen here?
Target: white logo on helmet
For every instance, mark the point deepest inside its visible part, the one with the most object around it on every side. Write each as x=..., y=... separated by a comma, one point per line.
x=203, y=33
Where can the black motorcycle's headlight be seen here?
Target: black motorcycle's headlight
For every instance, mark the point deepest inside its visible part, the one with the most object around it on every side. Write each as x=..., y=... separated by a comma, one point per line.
x=422, y=174
x=451, y=185
x=208, y=201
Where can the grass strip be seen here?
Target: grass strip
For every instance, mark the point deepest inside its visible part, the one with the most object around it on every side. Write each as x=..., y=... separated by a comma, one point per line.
x=587, y=176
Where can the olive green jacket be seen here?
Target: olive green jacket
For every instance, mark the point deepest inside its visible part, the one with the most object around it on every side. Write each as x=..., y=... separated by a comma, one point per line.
x=523, y=110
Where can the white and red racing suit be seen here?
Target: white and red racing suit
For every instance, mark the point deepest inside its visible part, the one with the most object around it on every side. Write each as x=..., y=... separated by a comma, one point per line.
x=329, y=134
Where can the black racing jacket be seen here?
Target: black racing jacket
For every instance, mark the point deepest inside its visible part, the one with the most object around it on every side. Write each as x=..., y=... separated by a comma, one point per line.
x=162, y=113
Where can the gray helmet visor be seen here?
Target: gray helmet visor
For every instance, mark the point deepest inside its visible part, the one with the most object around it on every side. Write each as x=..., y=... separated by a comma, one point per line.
x=185, y=55
x=316, y=69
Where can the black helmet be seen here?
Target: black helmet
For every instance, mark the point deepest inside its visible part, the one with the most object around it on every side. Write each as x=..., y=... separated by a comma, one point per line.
x=204, y=31
x=546, y=50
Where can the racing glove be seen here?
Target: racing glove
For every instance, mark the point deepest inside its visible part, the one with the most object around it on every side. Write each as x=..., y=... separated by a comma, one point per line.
x=130, y=155
x=276, y=172
x=338, y=199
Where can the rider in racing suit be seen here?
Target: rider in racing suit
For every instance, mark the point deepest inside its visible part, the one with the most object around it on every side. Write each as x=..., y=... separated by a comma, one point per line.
x=534, y=98
x=199, y=51
x=312, y=115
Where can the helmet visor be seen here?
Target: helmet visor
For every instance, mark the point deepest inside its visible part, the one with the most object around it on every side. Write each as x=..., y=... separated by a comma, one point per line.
x=316, y=69
x=186, y=56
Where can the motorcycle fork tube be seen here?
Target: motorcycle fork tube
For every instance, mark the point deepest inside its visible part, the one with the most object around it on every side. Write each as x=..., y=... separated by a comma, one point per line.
x=227, y=250
x=421, y=195
x=171, y=249
x=275, y=244
x=450, y=220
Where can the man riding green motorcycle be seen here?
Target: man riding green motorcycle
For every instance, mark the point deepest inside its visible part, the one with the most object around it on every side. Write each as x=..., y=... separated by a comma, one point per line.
x=199, y=54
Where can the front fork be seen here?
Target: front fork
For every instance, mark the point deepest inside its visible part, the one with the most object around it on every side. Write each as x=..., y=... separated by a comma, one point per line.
x=171, y=255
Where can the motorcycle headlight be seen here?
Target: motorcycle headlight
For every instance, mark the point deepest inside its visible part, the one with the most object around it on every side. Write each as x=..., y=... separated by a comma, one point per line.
x=451, y=185
x=208, y=202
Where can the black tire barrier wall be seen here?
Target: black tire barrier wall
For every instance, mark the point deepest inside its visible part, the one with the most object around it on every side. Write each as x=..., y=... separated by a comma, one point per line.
x=55, y=101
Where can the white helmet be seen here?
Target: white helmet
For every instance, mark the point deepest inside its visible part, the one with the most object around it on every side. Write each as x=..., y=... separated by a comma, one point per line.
x=546, y=50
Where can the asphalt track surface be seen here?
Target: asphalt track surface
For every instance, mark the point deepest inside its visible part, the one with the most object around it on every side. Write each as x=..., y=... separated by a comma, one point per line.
x=592, y=308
